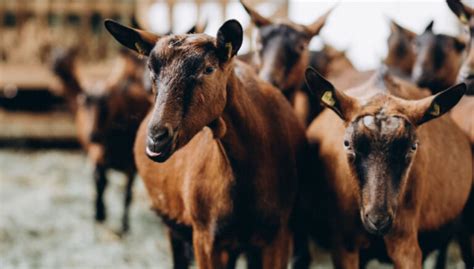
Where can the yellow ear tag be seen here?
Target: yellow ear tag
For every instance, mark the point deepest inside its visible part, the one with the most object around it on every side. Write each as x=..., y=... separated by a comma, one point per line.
x=435, y=111
x=140, y=49
x=463, y=18
x=228, y=46
x=328, y=99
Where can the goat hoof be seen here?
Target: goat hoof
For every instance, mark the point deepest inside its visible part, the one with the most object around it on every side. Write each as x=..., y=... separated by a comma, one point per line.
x=121, y=234
x=106, y=234
x=100, y=216
x=125, y=229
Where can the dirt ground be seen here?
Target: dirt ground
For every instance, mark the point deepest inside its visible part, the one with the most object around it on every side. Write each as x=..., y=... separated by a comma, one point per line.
x=46, y=218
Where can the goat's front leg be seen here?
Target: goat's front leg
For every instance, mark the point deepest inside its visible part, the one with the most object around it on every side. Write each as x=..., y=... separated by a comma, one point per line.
x=301, y=257
x=230, y=260
x=207, y=255
x=100, y=185
x=277, y=254
x=345, y=252
x=127, y=201
x=404, y=250
x=181, y=260
x=254, y=258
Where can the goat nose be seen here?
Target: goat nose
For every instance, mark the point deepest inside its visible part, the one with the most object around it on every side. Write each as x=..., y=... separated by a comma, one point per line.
x=379, y=221
x=160, y=136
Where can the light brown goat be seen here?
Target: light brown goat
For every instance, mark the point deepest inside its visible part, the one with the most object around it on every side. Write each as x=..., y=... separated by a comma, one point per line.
x=388, y=178
x=230, y=187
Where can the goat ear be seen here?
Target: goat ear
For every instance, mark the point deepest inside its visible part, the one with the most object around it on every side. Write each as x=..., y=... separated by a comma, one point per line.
x=314, y=28
x=229, y=39
x=397, y=28
x=198, y=28
x=464, y=13
x=134, y=39
x=429, y=27
x=426, y=109
x=63, y=64
x=256, y=18
x=344, y=105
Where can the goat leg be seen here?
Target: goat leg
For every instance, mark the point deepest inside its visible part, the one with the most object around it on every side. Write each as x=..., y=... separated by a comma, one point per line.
x=100, y=185
x=127, y=202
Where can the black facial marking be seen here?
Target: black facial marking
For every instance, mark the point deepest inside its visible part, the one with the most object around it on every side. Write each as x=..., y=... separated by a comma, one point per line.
x=402, y=43
x=154, y=63
x=289, y=39
x=180, y=66
x=191, y=66
x=438, y=53
x=381, y=151
x=401, y=50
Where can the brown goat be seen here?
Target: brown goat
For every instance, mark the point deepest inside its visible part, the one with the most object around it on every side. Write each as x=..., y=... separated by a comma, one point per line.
x=463, y=115
x=401, y=54
x=283, y=54
x=439, y=63
x=466, y=16
x=329, y=61
x=230, y=187
x=107, y=121
x=388, y=183
x=438, y=60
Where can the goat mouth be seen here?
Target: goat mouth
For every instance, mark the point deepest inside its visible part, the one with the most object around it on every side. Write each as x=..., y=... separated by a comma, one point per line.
x=163, y=154
x=379, y=231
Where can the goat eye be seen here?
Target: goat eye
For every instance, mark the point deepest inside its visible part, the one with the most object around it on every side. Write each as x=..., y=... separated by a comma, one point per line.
x=300, y=48
x=209, y=70
x=346, y=144
x=414, y=146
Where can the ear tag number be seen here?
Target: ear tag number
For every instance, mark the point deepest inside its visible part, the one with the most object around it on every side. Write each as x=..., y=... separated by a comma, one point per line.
x=139, y=47
x=228, y=47
x=435, y=110
x=328, y=99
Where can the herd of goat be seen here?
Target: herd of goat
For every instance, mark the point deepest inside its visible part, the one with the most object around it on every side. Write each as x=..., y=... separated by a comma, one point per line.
x=379, y=174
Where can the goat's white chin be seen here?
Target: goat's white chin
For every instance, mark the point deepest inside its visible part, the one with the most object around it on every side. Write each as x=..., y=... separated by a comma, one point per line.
x=152, y=154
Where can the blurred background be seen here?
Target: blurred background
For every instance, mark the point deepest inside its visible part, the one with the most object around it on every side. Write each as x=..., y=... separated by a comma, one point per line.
x=46, y=188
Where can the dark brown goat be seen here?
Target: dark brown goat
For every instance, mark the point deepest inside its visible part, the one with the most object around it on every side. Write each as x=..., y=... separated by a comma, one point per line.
x=283, y=53
x=388, y=182
x=230, y=187
x=107, y=121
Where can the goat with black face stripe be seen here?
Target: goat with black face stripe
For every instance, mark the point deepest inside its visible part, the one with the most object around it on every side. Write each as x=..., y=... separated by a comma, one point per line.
x=220, y=153
x=387, y=180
